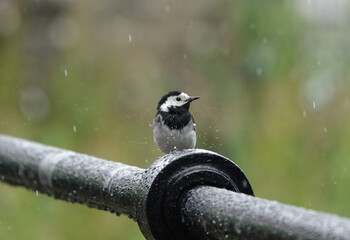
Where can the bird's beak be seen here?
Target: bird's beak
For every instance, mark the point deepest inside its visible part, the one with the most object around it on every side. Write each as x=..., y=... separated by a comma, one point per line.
x=192, y=99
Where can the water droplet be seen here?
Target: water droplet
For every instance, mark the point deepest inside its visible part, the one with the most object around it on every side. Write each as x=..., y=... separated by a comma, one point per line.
x=265, y=40
x=37, y=193
x=130, y=39
x=167, y=8
x=74, y=128
x=304, y=114
x=65, y=72
x=314, y=104
x=259, y=71
x=245, y=183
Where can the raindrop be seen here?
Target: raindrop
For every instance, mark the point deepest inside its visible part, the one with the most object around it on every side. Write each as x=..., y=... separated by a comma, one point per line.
x=325, y=129
x=245, y=183
x=265, y=40
x=130, y=39
x=237, y=228
x=259, y=71
x=167, y=8
x=314, y=104
x=74, y=128
x=65, y=72
x=304, y=114
x=37, y=193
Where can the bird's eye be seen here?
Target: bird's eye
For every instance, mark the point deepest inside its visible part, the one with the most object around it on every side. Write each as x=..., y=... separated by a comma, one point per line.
x=178, y=99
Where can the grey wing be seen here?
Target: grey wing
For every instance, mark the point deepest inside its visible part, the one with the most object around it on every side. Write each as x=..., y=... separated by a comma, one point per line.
x=157, y=120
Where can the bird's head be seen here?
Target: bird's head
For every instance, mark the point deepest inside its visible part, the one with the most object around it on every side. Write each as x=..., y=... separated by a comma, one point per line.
x=174, y=101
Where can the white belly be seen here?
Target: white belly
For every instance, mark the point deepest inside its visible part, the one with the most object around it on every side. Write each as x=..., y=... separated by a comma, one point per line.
x=169, y=140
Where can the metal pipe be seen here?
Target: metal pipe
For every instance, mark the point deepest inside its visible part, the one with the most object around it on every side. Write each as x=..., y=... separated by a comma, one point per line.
x=71, y=176
x=191, y=194
x=213, y=213
x=148, y=196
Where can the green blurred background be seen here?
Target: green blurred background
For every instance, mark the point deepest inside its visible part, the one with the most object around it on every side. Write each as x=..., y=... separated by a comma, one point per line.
x=273, y=77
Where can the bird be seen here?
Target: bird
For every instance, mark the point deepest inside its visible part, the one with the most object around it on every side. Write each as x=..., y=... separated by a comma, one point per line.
x=173, y=126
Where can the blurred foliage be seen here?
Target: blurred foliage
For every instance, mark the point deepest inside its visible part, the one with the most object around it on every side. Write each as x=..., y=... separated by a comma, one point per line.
x=86, y=76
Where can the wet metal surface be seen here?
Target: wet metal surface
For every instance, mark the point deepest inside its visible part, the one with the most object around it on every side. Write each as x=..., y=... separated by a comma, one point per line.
x=213, y=213
x=171, y=176
x=71, y=176
x=191, y=193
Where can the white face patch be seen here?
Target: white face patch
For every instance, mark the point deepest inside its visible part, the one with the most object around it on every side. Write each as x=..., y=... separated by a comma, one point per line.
x=174, y=101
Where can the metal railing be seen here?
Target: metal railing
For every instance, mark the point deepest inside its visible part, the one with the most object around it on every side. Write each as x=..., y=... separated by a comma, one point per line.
x=193, y=194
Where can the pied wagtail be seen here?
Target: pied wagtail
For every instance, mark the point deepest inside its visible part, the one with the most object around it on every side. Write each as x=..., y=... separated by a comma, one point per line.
x=173, y=126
